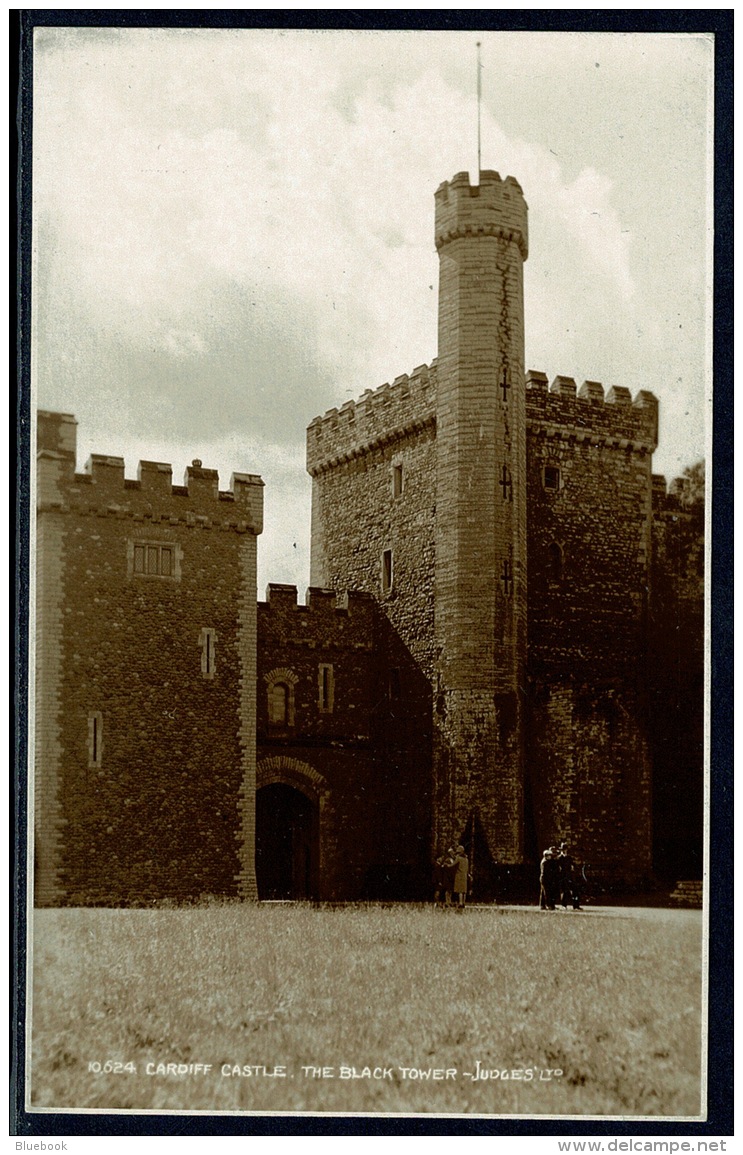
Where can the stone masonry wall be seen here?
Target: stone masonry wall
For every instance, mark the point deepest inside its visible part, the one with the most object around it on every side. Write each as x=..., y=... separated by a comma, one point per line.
x=48, y=820
x=589, y=773
x=356, y=514
x=152, y=750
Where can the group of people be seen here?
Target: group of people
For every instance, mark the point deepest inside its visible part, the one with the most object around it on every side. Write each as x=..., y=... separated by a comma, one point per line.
x=451, y=877
x=557, y=882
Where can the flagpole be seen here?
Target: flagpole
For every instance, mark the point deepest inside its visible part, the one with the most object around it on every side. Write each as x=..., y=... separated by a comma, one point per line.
x=479, y=102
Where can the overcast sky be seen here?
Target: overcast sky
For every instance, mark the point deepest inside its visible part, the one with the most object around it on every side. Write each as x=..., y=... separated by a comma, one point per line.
x=234, y=230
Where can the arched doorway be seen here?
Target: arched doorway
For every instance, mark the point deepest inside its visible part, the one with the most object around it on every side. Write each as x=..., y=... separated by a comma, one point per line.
x=286, y=843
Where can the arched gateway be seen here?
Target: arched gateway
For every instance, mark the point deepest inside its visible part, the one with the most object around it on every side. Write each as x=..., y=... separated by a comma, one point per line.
x=289, y=800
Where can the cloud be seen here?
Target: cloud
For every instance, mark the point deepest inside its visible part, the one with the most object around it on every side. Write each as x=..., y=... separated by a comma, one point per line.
x=234, y=232
x=586, y=210
x=182, y=344
x=322, y=201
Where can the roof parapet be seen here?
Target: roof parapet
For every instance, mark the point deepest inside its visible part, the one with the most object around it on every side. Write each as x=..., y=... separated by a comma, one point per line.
x=612, y=417
x=378, y=416
x=318, y=600
x=104, y=484
x=106, y=472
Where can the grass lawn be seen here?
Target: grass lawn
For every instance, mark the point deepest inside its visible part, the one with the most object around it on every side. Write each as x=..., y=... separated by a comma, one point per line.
x=612, y=999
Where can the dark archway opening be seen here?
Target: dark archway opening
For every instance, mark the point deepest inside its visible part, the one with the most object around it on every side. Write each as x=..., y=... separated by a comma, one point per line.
x=286, y=843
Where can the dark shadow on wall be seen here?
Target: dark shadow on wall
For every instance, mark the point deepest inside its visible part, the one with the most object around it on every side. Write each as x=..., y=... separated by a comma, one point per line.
x=401, y=736
x=676, y=687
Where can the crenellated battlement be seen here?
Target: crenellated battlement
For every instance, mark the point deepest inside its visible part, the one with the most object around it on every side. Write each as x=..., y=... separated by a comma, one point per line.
x=284, y=599
x=560, y=409
x=494, y=207
x=103, y=488
x=379, y=417
x=612, y=418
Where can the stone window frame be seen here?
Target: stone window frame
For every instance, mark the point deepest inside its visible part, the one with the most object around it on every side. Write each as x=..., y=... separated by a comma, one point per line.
x=285, y=677
x=387, y=572
x=208, y=644
x=325, y=687
x=95, y=740
x=176, y=555
x=555, y=469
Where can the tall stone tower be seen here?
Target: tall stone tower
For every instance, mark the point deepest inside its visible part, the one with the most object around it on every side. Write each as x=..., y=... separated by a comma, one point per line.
x=480, y=538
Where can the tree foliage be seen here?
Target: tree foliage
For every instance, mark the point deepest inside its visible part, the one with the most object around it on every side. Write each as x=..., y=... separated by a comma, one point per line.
x=693, y=475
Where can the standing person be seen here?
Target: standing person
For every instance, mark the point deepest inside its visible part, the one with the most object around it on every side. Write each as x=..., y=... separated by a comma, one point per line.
x=569, y=886
x=555, y=877
x=543, y=905
x=448, y=869
x=549, y=878
x=461, y=876
x=439, y=880
x=565, y=863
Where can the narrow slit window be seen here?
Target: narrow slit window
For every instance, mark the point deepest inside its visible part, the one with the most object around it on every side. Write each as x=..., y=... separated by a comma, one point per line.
x=387, y=573
x=397, y=481
x=393, y=685
x=207, y=640
x=95, y=740
x=326, y=688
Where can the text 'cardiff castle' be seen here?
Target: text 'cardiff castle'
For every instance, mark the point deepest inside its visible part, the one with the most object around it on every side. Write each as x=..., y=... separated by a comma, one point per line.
x=502, y=643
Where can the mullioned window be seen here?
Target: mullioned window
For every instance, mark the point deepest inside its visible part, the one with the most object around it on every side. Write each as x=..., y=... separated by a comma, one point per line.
x=158, y=560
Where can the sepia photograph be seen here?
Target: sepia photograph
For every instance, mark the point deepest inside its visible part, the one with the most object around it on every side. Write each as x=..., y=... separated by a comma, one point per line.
x=369, y=595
